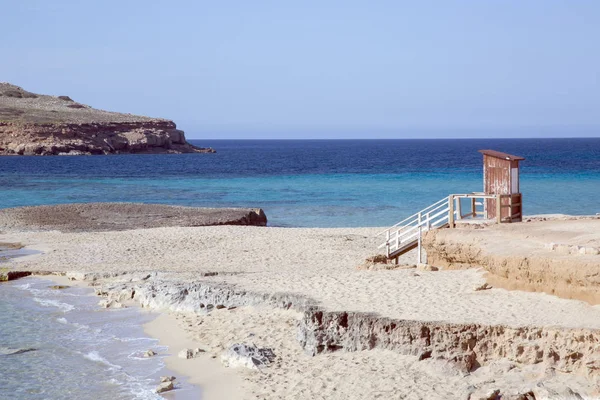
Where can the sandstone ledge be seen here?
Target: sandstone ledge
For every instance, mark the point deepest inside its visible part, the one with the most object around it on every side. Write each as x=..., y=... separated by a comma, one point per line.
x=522, y=256
x=92, y=217
x=465, y=346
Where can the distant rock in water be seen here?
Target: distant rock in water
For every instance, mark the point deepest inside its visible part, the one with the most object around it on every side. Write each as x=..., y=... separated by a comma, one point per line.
x=35, y=124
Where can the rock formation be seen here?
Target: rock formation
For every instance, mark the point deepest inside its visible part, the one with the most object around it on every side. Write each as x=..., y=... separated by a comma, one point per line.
x=33, y=124
x=466, y=346
x=96, y=217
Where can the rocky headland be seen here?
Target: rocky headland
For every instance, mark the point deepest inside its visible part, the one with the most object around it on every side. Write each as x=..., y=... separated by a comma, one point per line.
x=35, y=124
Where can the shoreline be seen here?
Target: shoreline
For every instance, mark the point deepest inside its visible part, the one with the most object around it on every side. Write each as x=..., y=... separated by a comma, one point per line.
x=215, y=381
x=79, y=335
x=208, y=374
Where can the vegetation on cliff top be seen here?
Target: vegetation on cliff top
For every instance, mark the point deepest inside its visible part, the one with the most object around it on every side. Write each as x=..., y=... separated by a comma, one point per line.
x=20, y=106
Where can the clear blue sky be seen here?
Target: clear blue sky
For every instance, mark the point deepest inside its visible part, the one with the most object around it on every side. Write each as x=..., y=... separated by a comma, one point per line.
x=306, y=69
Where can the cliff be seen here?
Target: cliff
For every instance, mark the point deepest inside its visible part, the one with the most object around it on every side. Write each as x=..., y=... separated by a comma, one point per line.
x=34, y=124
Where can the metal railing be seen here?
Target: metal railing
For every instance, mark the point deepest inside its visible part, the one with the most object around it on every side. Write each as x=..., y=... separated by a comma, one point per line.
x=407, y=233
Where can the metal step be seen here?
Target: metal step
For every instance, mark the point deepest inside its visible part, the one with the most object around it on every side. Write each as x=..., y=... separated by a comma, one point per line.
x=404, y=249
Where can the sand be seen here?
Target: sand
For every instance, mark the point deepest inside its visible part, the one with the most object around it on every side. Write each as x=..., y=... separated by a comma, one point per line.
x=312, y=262
x=320, y=264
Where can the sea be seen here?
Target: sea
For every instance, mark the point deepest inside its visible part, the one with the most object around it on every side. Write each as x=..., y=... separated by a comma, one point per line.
x=313, y=183
x=59, y=344
x=82, y=352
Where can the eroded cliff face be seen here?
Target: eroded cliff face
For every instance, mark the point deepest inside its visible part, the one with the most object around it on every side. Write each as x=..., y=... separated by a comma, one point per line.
x=35, y=124
x=466, y=346
x=94, y=138
x=533, y=269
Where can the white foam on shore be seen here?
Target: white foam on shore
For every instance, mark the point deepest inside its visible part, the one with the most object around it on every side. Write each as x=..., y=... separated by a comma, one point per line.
x=64, y=307
x=63, y=320
x=24, y=286
x=95, y=356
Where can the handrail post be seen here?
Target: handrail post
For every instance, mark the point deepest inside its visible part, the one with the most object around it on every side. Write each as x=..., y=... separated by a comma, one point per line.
x=419, y=246
x=458, y=209
x=387, y=243
x=499, y=208
x=451, y=211
x=474, y=207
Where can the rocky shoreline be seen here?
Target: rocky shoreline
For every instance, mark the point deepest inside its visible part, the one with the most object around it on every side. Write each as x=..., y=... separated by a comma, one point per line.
x=466, y=347
x=34, y=124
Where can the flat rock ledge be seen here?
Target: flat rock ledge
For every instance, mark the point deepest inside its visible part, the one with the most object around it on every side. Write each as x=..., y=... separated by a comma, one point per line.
x=465, y=346
x=93, y=217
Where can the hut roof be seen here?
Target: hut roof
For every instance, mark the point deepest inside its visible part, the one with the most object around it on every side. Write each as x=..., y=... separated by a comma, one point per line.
x=501, y=155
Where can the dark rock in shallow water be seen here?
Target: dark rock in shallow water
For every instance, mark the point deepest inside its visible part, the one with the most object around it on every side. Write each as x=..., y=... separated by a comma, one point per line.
x=5, y=351
x=58, y=287
x=6, y=275
x=165, y=387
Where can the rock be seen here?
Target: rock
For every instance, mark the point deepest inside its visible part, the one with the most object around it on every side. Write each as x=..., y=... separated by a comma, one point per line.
x=427, y=267
x=593, y=251
x=76, y=276
x=485, y=286
x=149, y=353
x=6, y=275
x=110, y=304
x=563, y=393
x=167, y=378
x=219, y=306
x=519, y=396
x=190, y=353
x=165, y=387
x=248, y=356
x=8, y=351
x=59, y=287
x=563, y=249
x=486, y=395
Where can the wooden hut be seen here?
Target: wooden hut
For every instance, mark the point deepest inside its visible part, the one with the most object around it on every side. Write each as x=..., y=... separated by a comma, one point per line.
x=501, y=177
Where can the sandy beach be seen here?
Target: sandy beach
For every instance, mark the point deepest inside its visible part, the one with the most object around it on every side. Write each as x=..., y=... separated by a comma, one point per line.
x=291, y=289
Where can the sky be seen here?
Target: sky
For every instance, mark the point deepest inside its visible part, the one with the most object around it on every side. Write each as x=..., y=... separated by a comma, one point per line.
x=318, y=69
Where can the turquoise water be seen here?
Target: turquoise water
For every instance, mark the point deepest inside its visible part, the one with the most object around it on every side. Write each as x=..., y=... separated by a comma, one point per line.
x=59, y=344
x=313, y=183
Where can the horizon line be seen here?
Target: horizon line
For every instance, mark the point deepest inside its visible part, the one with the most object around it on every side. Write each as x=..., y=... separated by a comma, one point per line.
x=445, y=138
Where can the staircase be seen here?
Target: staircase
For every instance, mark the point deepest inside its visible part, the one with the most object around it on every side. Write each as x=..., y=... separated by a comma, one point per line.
x=406, y=234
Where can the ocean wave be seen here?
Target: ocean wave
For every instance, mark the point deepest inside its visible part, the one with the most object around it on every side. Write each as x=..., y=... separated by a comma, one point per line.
x=51, y=292
x=24, y=286
x=95, y=356
x=135, y=339
x=63, y=320
x=54, y=303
